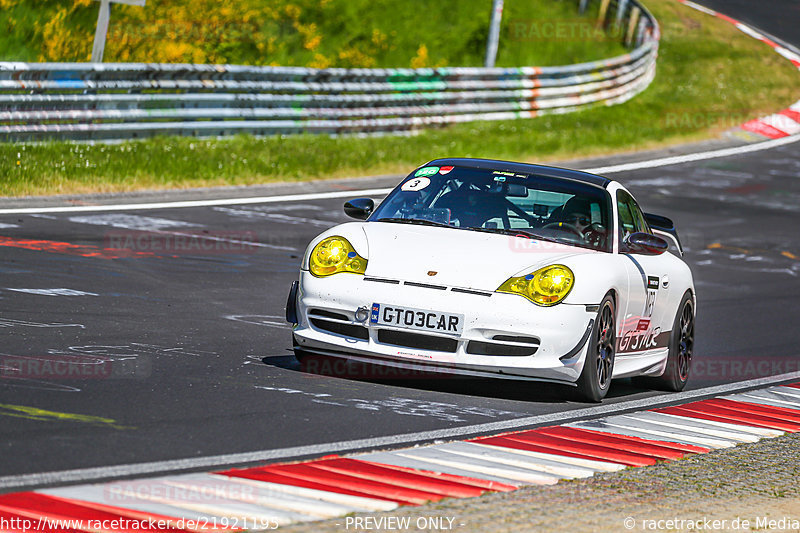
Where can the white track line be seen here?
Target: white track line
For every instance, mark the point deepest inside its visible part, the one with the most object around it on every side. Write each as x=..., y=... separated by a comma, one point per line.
x=216, y=461
x=197, y=203
x=700, y=156
x=612, y=169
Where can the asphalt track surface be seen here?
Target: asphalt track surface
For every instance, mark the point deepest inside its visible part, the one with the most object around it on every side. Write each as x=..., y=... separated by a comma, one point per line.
x=776, y=17
x=191, y=357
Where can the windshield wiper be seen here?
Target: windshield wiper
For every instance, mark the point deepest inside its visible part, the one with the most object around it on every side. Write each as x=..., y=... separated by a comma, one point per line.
x=419, y=221
x=522, y=232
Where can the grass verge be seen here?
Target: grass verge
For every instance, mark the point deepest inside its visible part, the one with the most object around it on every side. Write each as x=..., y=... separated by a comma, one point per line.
x=711, y=77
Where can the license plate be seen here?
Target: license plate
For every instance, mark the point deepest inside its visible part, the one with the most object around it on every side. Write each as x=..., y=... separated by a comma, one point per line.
x=420, y=319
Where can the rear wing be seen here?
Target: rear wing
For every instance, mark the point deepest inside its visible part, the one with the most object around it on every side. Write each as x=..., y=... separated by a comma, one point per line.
x=664, y=227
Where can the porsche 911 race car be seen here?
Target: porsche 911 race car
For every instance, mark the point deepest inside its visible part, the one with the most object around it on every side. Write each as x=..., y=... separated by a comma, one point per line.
x=498, y=269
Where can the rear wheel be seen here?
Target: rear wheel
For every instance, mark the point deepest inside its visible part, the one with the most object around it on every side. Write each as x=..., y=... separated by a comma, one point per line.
x=681, y=349
x=595, y=379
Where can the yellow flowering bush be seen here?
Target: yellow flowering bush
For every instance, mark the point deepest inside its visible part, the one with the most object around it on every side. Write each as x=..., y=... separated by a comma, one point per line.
x=314, y=33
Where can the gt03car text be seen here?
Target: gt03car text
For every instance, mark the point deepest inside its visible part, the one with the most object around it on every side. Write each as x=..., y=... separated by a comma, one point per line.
x=499, y=269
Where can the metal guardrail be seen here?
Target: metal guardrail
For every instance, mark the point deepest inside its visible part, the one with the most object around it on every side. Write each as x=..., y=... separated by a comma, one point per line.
x=108, y=101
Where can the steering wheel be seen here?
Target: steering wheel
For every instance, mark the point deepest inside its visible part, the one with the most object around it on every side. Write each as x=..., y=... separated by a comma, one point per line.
x=595, y=235
x=564, y=226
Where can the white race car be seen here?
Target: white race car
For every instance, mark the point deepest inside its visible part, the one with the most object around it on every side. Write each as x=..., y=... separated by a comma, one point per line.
x=498, y=269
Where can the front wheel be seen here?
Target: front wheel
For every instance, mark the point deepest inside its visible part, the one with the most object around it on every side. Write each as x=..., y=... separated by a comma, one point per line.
x=595, y=379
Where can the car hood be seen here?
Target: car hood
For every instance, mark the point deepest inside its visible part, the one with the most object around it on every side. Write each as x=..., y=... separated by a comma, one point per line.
x=457, y=258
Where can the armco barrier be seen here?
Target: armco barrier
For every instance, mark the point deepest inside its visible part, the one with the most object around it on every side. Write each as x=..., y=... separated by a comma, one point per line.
x=107, y=101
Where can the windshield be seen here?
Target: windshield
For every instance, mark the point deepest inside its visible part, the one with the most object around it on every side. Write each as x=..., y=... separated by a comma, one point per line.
x=542, y=207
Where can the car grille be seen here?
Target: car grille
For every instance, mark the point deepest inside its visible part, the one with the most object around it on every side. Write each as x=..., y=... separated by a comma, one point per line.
x=417, y=340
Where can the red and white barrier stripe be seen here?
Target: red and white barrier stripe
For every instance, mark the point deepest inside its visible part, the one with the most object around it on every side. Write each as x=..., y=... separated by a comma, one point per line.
x=784, y=123
x=276, y=494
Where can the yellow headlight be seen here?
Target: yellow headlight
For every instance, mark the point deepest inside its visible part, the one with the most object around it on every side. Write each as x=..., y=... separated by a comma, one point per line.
x=333, y=255
x=547, y=286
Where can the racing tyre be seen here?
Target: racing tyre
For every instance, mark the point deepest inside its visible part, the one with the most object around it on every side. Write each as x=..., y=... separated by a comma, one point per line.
x=598, y=368
x=681, y=348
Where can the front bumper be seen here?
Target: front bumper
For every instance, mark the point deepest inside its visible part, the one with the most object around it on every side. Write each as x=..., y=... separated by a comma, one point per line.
x=326, y=324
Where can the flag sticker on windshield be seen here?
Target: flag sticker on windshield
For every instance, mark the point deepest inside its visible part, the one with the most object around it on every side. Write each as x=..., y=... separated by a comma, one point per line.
x=445, y=170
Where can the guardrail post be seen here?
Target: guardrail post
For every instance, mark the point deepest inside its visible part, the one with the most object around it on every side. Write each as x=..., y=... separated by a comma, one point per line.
x=621, y=7
x=99, y=46
x=494, y=33
x=641, y=31
x=601, y=17
x=633, y=24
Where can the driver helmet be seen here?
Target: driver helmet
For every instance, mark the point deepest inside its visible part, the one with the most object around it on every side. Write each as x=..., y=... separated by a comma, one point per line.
x=577, y=212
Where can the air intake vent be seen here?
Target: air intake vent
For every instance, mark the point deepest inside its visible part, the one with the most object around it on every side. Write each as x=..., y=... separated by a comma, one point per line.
x=382, y=280
x=502, y=350
x=426, y=285
x=515, y=338
x=415, y=340
x=328, y=314
x=348, y=330
x=470, y=291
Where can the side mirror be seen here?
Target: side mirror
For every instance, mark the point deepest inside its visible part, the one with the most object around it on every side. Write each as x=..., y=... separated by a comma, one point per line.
x=665, y=227
x=360, y=208
x=646, y=244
